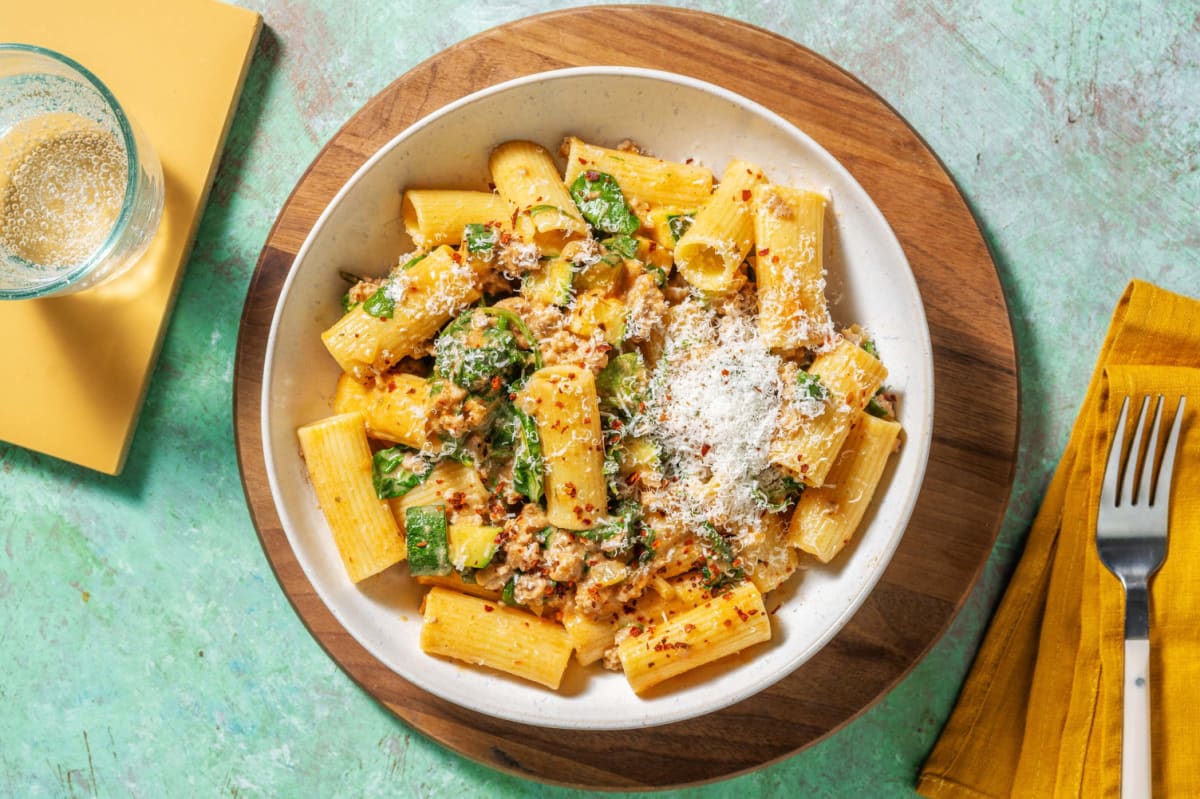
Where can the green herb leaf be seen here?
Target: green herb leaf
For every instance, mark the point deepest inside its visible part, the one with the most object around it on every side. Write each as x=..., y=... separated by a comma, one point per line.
x=602, y=204
x=379, y=304
x=811, y=387
x=774, y=491
x=390, y=477
x=509, y=595
x=868, y=344
x=347, y=303
x=481, y=239
x=678, y=224
x=416, y=259
x=623, y=385
x=623, y=245
x=514, y=434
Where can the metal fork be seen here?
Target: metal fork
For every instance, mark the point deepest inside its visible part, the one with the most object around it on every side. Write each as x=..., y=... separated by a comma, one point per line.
x=1131, y=536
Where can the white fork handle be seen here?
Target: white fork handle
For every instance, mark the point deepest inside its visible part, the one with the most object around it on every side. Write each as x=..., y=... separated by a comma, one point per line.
x=1135, y=742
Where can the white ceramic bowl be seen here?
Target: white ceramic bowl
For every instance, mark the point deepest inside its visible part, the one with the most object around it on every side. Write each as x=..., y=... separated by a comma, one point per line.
x=675, y=117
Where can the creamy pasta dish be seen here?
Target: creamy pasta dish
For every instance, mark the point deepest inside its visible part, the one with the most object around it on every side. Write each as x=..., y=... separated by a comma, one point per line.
x=599, y=412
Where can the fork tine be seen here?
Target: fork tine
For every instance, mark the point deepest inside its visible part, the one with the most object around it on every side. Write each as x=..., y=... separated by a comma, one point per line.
x=1112, y=471
x=1146, y=476
x=1168, y=462
x=1127, y=482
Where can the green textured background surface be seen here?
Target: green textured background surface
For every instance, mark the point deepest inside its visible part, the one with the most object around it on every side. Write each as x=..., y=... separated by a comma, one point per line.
x=145, y=647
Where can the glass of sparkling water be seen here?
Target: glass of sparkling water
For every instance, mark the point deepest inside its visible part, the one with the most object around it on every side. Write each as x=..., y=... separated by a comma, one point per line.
x=81, y=188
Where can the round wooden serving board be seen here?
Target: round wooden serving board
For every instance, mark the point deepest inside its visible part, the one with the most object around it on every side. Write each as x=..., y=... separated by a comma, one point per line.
x=974, y=444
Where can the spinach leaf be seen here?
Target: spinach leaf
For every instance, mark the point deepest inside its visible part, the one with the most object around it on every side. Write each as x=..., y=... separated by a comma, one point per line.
x=481, y=239
x=619, y=532
x=347, y=303
x=471, y=356
x=868, y=344
x=678, y=224
x=774, y=491
x=389, y=475
x=514, y=434
x=623, y=245
x=811, y=387
x=602, y=204
x=416, y=259
x=623, y=385
x=529, y=467
x=379, y=304
x=718, y=569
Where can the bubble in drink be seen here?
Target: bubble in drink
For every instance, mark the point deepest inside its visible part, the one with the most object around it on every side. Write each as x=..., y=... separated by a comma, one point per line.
x=63, y=195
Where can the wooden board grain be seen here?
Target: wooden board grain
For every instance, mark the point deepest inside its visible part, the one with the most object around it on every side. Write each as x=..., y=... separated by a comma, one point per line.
x=973, y=452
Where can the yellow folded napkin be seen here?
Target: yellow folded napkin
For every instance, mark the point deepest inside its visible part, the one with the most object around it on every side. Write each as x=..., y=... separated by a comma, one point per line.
x=1040, y=713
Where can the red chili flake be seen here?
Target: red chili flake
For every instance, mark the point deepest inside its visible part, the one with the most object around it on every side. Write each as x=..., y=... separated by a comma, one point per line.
x=687, y=628
x=616, y=424
x=741, y=614
x=496, y=383
x=804, y=468
x=488, y=608
x=422, y=544
x=592, y=175
x=764, y=251
x=724, y=373
x=570, y=489
x=635, y=631
x=582, y=160
x=704, y=450
x=689, y=161
x=512, y=397
x=457, y=258
x=632, y=478
x=641, y=407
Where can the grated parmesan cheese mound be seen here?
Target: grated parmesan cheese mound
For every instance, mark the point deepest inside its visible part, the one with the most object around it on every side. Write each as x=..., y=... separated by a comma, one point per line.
x=715, y=396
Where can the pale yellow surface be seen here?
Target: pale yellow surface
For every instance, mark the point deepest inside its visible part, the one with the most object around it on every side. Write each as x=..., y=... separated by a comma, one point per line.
x=85, y=359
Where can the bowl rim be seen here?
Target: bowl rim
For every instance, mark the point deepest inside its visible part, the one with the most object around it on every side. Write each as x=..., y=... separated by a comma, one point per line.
x=671, y=713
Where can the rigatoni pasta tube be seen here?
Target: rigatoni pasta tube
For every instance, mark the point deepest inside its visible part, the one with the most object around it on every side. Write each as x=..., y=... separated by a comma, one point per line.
x=438, y=216
x=425, y=296
x=806, y=445
x=450, y=483
x=642, y=177
x=525, y=175
x=338, y=459
x=562, y=401
x=395, y=406
x=490, y=634
x=709, y=254
x=727, y=623
x=825, y=518
x=789, y=226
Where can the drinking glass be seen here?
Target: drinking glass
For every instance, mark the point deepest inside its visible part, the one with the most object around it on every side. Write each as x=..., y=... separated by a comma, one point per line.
x=81, y=188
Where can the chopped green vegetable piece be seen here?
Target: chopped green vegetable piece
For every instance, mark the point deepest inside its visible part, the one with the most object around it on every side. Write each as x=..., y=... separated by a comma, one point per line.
x=416, y=259
x=877, y=410
x=678, y=224
x=868, y=344
x=619, y=532
x=472, y=545
x=541, y=209
x=425, y=533
x=483, y=360
x=347, y=303
x=811, y=387
x=659, y=274
x=379, y=304
x=718, y=569
x=509, y=595
x=390, y=476
x=774, y=491
x=514, y=433
x=623, y=385
x=481, y=239
x=623, y=245
x=602, y=204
